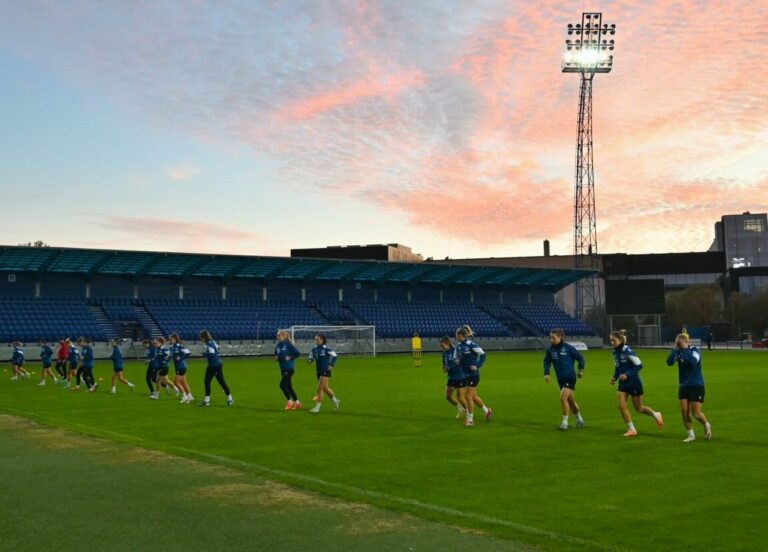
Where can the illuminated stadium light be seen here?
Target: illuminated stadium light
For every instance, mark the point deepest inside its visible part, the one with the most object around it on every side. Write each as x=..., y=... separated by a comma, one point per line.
x=588, y=51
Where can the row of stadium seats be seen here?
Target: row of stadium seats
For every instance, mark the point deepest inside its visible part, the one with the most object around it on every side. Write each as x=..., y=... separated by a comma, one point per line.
x=29, y=320
x=550, y=316
x=32, y=319
x=230, y=321
x=428, y=319
x=121, y=313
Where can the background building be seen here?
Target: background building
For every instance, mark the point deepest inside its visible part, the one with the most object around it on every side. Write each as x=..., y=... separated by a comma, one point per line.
x=743, y=241
x=380, y=252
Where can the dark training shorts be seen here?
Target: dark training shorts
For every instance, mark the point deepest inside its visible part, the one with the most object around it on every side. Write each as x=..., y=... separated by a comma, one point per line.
x=473, y=380
x=569, y=383
x=634, y=388
x=694, y=393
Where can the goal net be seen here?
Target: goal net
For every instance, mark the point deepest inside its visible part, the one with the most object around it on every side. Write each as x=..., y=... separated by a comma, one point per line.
x=648, y=335
x=345, y=340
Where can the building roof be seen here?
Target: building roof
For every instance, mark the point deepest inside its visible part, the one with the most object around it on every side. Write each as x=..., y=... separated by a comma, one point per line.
x=89, y=262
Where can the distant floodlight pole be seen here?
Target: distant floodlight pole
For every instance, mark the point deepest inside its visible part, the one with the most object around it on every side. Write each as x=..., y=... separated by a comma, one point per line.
x=587, y=53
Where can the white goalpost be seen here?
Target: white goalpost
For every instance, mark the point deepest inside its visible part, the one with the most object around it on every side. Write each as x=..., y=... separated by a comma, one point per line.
x=648, y=335
x=345, y=340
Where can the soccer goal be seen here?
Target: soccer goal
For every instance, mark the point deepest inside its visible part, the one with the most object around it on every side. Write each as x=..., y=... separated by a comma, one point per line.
x=345, y=340
x=648, y=335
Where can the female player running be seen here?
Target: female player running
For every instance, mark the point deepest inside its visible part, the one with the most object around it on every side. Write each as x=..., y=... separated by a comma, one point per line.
x=73, y=358
x=87, y=366
x=286, y=354
x=151, y=361
x=215, y=369
x=456, y=381
x=691, y=390
x=564, y=355
x=180, y=354
x=117, y=367
x=162, y=361
x=326, y=360
x=471, y=357
x=46, y=355
x=628, y=365
x=17, y=360
x=61, y=360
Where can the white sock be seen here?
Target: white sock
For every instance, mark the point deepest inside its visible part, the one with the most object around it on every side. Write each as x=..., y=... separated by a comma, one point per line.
x=470, y=415
x=691, y=433
x=191, y=398
x=630, y=425
x=485, y=409
x=229, y=398
x=460, y=408
x=565, y=420
x=130, y=384
x=113, y=389
x=207, y=399
x=579, y=418
x=656, y=415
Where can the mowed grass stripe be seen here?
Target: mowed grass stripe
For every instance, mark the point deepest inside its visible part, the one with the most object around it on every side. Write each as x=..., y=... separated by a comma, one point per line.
x=395, y=435
x=364, y=493
x=67, y=492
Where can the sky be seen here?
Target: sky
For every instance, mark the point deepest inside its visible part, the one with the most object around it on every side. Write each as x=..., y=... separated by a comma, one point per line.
x=253, y=127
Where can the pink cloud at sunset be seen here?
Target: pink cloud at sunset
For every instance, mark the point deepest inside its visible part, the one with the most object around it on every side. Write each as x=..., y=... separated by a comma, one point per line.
x=454, y=118
x=389, y=87
x=188, y=236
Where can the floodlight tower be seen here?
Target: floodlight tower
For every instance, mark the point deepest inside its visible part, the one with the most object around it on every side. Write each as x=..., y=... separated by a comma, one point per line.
x=587, y=53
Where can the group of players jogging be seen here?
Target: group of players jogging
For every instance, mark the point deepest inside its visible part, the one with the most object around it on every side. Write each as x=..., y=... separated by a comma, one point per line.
x=461, y=362
x=569, y=366
x=75, y=362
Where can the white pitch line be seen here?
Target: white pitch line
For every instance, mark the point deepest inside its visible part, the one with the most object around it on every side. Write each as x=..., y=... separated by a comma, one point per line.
x=368, y=493
x=400, y=500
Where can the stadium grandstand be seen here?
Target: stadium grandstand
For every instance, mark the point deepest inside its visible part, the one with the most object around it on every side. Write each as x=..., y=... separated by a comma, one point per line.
x=47, y=293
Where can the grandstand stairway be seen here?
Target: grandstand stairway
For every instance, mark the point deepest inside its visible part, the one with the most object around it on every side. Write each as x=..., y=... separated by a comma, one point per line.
x=151, y=327
x=335, y=313
x=101, y=318
x=354, y=317
x=515, y=329
x=321, y=315
x=524, y=326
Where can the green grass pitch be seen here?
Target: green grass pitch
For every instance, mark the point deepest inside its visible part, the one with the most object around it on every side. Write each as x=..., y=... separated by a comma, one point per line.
x=395, y=443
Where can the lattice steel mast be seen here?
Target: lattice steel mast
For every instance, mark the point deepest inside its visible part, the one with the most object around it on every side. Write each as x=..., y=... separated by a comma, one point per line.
x=587, y=54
